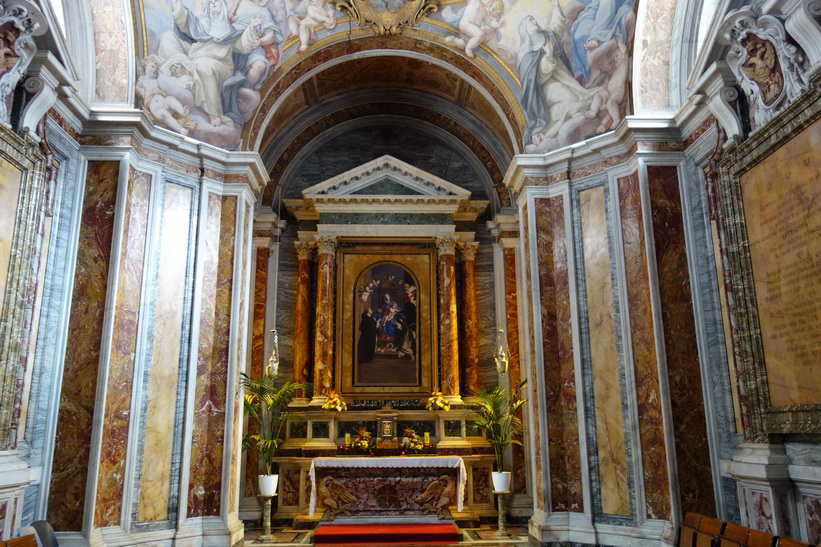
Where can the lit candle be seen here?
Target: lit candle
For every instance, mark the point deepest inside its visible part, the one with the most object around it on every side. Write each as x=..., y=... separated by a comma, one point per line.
x=347, y=439
x=427, y=438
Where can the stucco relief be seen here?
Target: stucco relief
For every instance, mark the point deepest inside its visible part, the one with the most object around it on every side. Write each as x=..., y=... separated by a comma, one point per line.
x=770, y=70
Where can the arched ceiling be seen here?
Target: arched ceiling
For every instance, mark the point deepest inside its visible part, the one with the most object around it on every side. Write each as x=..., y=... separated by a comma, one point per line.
x=340, y=83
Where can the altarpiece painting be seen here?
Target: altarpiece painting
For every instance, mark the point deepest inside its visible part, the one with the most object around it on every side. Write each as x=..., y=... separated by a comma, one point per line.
x=386, y=302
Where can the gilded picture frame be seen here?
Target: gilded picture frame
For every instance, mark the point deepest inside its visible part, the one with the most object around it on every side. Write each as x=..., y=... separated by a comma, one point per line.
x=386, y=320
x=771, y=203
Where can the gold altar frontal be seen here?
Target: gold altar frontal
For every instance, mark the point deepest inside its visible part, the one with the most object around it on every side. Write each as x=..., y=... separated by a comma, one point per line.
x=385, y=486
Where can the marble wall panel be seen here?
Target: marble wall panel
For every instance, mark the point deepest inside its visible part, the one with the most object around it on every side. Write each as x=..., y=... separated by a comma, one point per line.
x=481, y=485
x=684, y=376
x=258, y=360
x=761, y=515
x=205, y=481
x=604, y=354
x=514, y=364
x=559, y=370
x=645, y=363
x=289, y=487
x=10, y=178
x=77, y=396
x=533, y=390
x=166, y=349
x=811, y=506
x=4, y=508
x=241, y=349
x=119, y=389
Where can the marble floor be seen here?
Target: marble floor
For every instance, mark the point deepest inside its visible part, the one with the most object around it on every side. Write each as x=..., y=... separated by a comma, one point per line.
x=484, y=536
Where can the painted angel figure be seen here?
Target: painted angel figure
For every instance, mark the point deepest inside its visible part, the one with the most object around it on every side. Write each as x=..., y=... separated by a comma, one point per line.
x=316, y=13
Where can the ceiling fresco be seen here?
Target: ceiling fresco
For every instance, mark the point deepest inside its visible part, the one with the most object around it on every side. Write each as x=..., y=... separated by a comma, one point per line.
x=208, y=63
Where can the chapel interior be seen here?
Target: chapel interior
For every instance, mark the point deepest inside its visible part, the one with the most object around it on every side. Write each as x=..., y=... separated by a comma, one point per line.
x=614, y=204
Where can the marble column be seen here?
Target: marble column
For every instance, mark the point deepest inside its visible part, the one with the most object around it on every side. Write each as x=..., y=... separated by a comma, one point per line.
x=448, y=328
x=304, y=252
x=324, y=345
x=467, y=252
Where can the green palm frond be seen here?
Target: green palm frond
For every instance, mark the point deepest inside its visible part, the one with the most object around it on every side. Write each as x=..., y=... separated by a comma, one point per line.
x=497, y=413
x=266, y=401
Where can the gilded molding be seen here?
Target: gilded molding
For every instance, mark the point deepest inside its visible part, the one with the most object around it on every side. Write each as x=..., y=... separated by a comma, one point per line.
x=387, y=17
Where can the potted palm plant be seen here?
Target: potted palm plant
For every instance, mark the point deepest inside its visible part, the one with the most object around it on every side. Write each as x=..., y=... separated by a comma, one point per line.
x=266, y=405
x=495, y=411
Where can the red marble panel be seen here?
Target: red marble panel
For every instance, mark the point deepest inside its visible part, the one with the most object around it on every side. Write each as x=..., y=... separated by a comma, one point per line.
x=557, y=344
x=639, y=307
x=114, y=441
x=514, y=361
x=205, y=480
x=812, y=513
x=69, y=471
x=686, y=398
x=256, y=365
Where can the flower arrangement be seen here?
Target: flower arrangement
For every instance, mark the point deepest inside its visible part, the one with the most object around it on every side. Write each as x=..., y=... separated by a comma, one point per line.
x=335, y=402
x=411, y=441
x=363, y=440
x=437, y=401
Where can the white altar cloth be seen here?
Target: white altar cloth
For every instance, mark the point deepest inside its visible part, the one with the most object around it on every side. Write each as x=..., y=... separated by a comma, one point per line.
x=388, y=462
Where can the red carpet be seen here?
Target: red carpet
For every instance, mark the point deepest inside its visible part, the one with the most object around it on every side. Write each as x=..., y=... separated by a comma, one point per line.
x=385, y=534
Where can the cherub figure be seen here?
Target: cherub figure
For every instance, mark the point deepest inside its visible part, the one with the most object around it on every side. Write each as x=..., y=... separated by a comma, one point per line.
x=162, y=108
x=316, y=13
x=480, y=19
x=613, y=91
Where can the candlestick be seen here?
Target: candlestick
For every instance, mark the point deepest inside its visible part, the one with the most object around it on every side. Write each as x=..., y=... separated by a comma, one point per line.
x=347, y=439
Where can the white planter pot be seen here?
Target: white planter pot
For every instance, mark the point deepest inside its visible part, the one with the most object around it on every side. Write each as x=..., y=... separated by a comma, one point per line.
x=268, y=485
x=501, y=481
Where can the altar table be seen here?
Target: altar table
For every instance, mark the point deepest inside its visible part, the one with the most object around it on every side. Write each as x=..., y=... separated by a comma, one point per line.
x=401, y=462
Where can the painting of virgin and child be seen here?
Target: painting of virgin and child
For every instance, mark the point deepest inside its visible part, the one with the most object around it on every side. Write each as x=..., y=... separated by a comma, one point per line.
x=386, y=340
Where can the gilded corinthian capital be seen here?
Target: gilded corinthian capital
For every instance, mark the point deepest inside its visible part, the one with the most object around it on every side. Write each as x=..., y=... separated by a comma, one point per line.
x=304, y=249
x=446, y=245
x=467, y=249
x=326, y=244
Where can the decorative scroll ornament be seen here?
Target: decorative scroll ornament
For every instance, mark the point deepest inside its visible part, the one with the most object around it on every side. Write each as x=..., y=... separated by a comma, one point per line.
x=20, y=21
x=387, y=16
x=770, y=71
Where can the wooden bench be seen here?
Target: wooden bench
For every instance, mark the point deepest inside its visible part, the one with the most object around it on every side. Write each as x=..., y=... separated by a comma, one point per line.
x=703, y=531
x=23, y=541
x=700, y=530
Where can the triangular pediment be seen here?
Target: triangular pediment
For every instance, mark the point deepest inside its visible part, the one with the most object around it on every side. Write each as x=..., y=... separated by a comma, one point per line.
x=385, y=185
x=386, y=176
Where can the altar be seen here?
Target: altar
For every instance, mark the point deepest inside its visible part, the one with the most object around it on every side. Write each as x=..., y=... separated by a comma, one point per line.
x=334, y=488
x=388, y=486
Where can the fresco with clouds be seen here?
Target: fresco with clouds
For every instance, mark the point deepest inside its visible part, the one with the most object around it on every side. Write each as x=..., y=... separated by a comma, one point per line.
x=208, y=59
